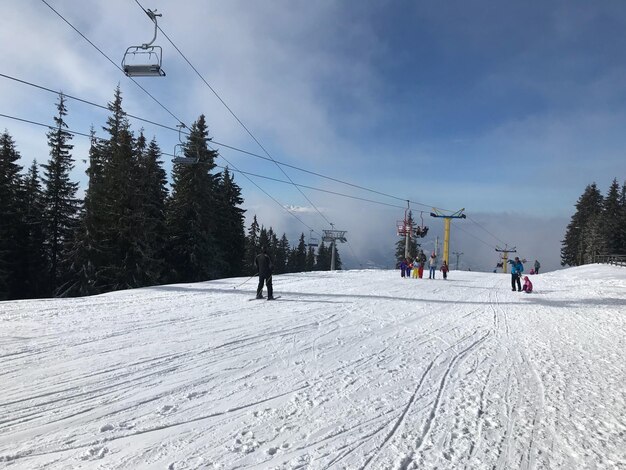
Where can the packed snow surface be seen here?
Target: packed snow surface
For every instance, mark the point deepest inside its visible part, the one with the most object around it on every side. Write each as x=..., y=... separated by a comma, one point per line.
x=357, y=369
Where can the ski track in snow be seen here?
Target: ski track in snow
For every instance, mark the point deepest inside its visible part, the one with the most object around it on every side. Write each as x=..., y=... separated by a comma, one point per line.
x=359, y=370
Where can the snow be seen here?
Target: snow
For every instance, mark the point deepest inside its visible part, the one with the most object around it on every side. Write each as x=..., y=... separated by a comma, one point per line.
x=356, y=369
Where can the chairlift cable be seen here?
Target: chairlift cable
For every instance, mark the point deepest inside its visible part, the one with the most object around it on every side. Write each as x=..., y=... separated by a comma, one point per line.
x=110, y=60
x=235, y=116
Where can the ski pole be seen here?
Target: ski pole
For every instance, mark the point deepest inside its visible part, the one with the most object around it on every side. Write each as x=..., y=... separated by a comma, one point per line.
x=237, y=287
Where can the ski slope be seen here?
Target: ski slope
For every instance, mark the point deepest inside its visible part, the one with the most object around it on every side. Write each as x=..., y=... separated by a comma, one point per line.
x=355, y=370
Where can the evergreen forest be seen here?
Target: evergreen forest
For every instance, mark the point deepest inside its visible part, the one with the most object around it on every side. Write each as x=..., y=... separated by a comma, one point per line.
x=598, y=227
x=131, y=229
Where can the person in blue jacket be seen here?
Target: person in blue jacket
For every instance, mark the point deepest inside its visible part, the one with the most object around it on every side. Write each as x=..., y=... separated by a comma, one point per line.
x=517, y=268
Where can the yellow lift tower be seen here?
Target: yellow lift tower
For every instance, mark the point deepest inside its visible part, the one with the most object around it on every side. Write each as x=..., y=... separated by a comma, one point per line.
x=446, y=233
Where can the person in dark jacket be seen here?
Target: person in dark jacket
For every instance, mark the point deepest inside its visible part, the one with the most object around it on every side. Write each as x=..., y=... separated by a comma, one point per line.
x=517, y=268
x=263, y=263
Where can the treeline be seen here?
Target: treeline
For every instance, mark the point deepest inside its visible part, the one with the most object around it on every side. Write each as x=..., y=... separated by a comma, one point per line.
x=286, y=259
x=598, y=227
x=129, y=230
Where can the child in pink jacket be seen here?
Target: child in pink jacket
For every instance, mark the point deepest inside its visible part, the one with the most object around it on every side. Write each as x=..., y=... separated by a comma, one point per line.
x=528, y=286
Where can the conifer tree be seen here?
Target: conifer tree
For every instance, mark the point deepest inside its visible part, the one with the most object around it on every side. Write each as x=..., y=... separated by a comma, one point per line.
x=323, y=258
x=231, y=231
x=86, y=247
x=300, y=255
x=578, y=235
x=609, y=229
x=252, y=246
x=193, y=251
x=149, y=214
x=310, y=259
x=61, y=205
x=33, y=257
x=622, y=218
x=11, y=221
x=282, y=254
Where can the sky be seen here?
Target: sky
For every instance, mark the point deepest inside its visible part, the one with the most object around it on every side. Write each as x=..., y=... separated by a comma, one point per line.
x=507, y=111
x=345, y=370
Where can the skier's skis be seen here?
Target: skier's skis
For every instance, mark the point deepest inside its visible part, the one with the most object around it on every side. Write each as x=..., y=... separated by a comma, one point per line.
x=265, y=298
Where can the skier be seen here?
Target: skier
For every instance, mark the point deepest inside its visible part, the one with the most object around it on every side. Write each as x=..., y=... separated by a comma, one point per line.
x=433, y=265
x=263, y=263
x=444, y=269
x=422, y=263
x=403, y=268
x=528, y=286
x=537, y=266
x=517, y=268
x=416, y=264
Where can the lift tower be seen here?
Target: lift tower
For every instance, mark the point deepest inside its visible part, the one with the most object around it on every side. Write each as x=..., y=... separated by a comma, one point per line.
x=446, y=233
x=505, y=255
x=334, y=236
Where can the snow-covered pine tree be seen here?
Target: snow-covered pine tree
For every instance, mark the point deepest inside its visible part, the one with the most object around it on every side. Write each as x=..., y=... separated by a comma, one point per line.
x=61, y=206
x=193, y=252
x=401, y=243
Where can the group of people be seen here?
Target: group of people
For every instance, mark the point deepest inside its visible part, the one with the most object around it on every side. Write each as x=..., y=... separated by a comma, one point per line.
x=416, y=266
x=517, y=268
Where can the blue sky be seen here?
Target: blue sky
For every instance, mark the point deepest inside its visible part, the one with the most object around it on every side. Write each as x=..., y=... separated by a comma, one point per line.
x=506, y=109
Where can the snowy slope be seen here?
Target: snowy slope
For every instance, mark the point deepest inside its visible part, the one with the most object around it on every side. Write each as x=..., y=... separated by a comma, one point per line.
x=358, y=369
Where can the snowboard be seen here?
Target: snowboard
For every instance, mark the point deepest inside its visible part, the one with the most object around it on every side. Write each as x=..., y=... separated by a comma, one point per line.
x=265, y=298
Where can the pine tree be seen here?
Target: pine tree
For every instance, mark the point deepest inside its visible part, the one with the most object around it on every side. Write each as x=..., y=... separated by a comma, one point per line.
x=323, y=258
x=576, y=243
x=300, y=255
x=310, y=259
x=86, y=247
x=611, y=221
x=11, y=221
x=622, y=218
x=33, y=257
x=282, y=254
x=61, y=205
x=253, y=246
x=193, y=251
x=231, y=231
x=149, y=219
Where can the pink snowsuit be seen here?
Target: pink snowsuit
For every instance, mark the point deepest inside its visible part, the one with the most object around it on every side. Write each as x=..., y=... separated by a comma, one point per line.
x=528, y=286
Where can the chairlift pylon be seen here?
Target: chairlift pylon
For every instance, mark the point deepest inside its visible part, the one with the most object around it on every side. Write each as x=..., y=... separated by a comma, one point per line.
x=144, y=60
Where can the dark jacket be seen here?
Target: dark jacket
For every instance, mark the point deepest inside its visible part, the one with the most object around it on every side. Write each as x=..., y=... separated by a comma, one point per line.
x=263, y=263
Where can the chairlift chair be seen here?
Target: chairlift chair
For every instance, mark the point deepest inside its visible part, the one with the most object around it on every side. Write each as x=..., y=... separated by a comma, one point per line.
x=144, y=60
x=313, y=242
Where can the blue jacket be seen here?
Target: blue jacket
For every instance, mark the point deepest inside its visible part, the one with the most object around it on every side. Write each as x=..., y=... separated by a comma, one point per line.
x=517, y=267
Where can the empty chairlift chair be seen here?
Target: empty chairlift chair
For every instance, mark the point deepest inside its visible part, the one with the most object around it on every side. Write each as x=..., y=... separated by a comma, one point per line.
x=144, y=60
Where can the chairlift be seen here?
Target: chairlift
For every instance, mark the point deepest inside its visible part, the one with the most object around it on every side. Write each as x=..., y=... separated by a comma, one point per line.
x=144, y=60
x=421, y=230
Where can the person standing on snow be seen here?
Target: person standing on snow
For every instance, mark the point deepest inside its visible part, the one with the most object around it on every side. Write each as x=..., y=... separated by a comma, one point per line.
x=537, y=266
x=517, y=268
x=432, y=264
x=444, y=269
x=263, y=263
